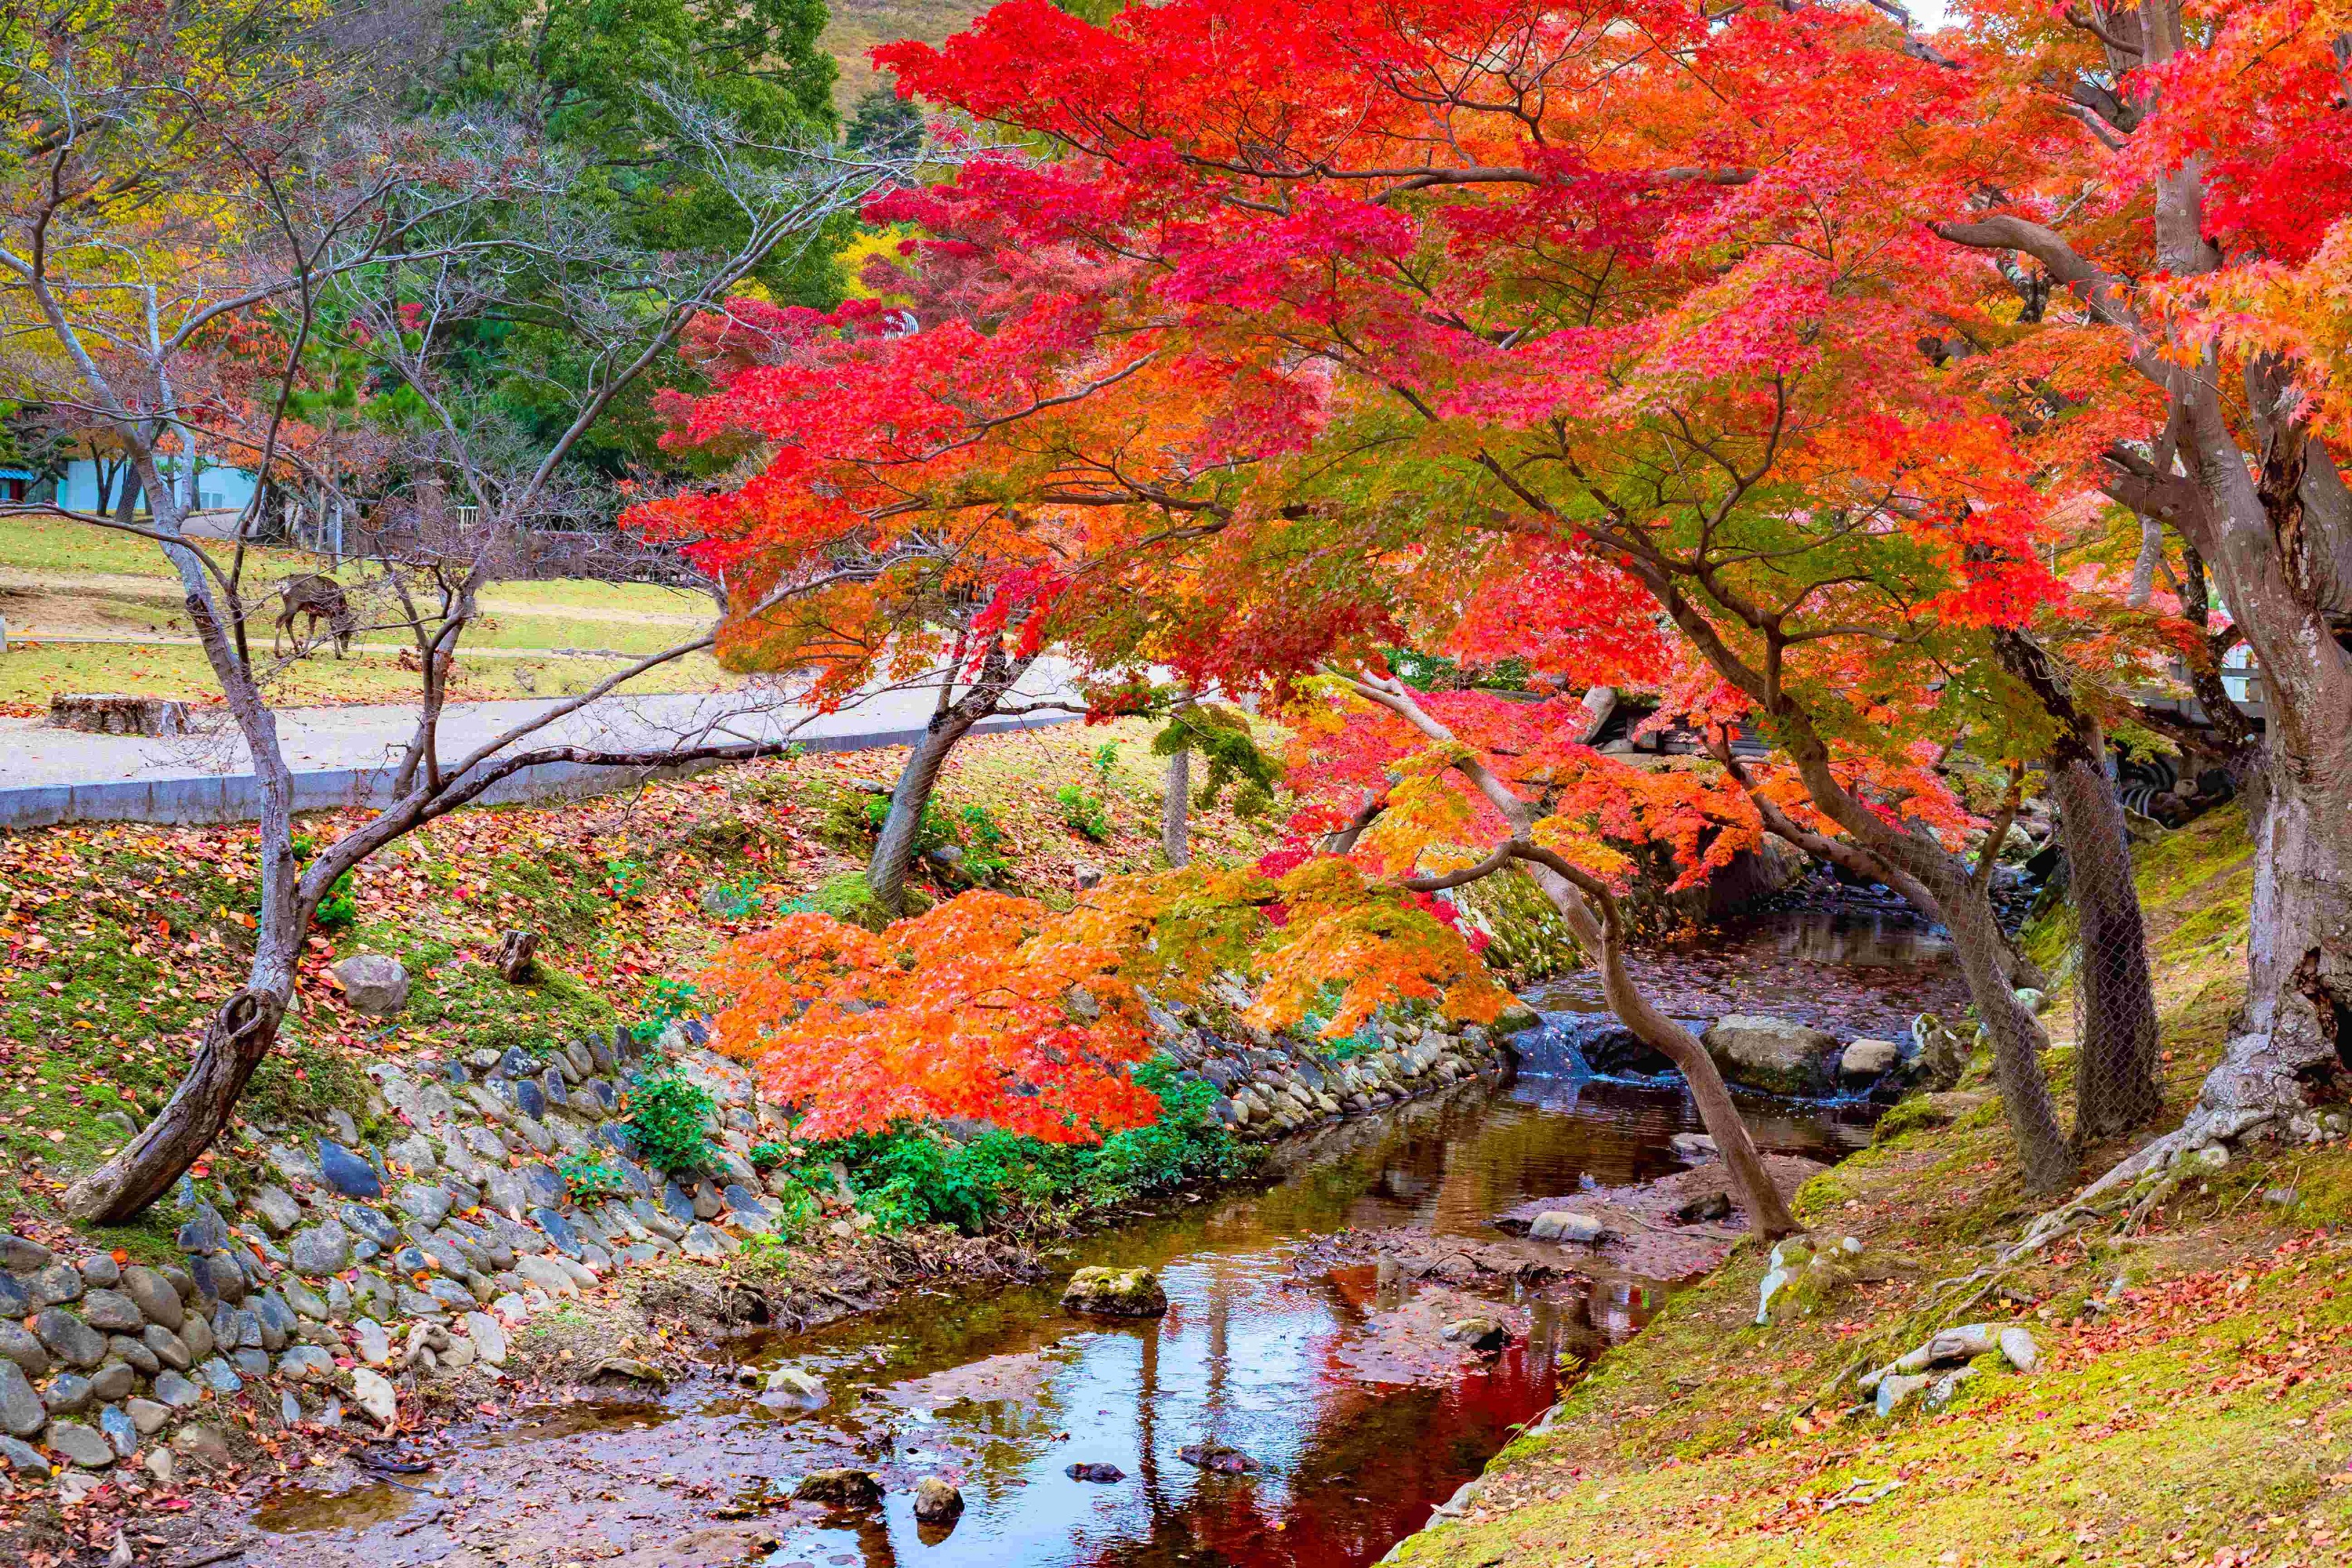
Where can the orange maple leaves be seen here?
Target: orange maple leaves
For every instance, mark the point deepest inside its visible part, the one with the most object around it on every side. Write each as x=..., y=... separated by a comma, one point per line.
x=999, y=1009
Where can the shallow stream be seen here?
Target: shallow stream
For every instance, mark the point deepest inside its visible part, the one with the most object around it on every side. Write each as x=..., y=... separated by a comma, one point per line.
x=1334, y=1382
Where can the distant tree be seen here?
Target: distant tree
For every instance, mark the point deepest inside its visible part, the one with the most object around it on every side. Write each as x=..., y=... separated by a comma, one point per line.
x=201, y=208
x=887, y=123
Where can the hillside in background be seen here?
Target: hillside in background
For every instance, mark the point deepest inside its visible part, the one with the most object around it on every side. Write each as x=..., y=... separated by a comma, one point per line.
x=858, y=25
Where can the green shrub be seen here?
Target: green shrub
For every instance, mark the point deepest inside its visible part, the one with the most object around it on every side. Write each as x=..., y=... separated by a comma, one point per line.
x=666, y=1000
x=339, y=908
x=587, y=1176
x=667, y=1116
x=733, y=900
x=983, y=843
x=1083, y=814
x=1001, y=1181
x=767, y=1156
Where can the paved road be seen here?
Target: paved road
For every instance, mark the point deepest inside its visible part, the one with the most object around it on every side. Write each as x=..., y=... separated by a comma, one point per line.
x=343, y=756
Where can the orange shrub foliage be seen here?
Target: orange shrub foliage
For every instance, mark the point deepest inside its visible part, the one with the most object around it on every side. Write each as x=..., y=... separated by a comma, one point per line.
x=1001, y=1010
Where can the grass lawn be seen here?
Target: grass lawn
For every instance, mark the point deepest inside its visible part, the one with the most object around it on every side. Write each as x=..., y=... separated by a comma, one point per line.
x=67, y=580
x=30, y=675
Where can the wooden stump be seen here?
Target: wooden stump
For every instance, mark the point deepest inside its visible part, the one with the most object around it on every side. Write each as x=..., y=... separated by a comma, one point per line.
x=516, y=950
x=113, y=713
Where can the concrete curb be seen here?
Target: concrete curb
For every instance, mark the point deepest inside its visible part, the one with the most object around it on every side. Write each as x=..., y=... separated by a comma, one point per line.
x=236, y=797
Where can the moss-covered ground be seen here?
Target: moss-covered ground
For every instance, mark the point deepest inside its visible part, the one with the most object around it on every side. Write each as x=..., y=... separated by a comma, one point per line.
x=2191, y=1404
x=120, y=940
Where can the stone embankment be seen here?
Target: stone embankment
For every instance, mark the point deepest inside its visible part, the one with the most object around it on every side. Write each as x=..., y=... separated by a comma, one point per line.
x=332, y=1277
x=1272, y=1086
x=338, y=1266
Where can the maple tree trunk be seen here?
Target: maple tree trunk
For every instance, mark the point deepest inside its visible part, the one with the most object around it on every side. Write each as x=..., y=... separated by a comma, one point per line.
x=2299, y=1000
x=1174, y=836
x=894, y=852
x=2117, y=1085
x=1979, y=942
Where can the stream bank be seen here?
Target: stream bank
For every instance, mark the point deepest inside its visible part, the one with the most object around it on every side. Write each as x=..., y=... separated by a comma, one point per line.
x=1340, y=1377
x=2194, y=1382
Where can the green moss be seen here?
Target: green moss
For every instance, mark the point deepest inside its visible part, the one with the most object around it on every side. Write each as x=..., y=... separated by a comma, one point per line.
x=849, y=899
x=299, y=1082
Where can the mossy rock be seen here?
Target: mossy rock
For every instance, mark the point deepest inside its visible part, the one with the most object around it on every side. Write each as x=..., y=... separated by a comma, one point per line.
x=1925, y=1111
x=1115, y=1293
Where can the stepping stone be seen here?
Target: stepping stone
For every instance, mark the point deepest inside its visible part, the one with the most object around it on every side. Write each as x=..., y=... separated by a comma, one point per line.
x=22, y=1413
x=543, y=1185
x=307, y=1363
x=559, y=1231
x=429, y=1205
x=123, y=1347
x=207, y=1232
x=490, y=1338
x=415, y=1152
x=67, y=1394
x=67, y=1338
x=505, y=1192
x=304, y=1300
x=374, y=1224
x=55, y=1285
x=113, y=1311
x=168, y=1347
x=176, y=1391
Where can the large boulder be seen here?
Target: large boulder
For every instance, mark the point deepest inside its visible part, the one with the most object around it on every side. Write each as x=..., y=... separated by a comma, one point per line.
x=373, y=983
x=1770, y=1053
x=1115, y=1293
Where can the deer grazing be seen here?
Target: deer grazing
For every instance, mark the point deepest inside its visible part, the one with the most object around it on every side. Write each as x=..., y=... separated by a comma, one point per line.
x=319, y=598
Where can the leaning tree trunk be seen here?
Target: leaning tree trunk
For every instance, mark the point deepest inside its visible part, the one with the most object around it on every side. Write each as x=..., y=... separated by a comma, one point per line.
x=242, y=1033
x=1977, y=942
x=894, y=852
x=239, y=1036
x=1604, y=938
x=1175, y=834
